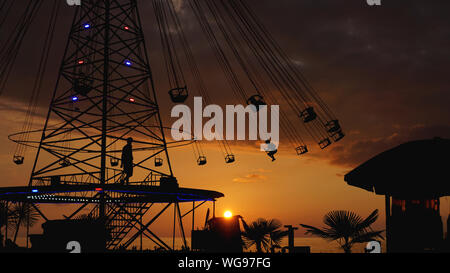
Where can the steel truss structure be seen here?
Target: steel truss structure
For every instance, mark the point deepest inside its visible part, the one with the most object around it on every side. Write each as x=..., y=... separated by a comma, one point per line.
x=125, y=205
x=104, y=95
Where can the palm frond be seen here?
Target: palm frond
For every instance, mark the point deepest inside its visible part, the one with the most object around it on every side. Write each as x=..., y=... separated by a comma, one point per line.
x=367, y=236
x=24, y=214
x=369, y=220
x=316, y=231
x=277, y=236
x=259, y=233
x=346, y=228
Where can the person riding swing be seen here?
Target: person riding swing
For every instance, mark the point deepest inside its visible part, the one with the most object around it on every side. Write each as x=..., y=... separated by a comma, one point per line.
x=127, y=161
x=270, y=149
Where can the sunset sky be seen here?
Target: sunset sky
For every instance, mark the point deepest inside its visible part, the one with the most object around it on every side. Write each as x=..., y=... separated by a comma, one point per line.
x=383, y=70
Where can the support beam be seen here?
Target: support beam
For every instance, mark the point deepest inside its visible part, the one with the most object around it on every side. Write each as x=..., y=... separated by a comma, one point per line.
x=193, y=215
x=40, y=212
x=193, y=208
x=132, y=221
x=104, y=106
x=180, y=220
x=388, y=222
x=146, y=226
x=79, y=209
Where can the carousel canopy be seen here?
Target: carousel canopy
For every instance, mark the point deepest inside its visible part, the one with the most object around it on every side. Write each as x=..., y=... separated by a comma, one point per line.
x=413, y=170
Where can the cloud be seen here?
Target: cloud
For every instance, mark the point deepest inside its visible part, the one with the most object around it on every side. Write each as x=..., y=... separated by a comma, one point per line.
x=254, y=176
x=358, y=151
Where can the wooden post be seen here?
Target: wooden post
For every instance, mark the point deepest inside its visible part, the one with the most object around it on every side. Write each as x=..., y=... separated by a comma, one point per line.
x=193, y=217
x=6, y=223
x=388, y=222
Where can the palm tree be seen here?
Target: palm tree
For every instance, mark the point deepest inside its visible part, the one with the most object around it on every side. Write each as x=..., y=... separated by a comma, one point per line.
x=4, y=212
x=263, y=234
x=23, y=214
x=86, y=217
x=347, y=228
x=276, y=237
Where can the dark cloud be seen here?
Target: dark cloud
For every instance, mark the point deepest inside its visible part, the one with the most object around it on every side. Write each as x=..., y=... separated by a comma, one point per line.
x=357, y=152
x=378, y=68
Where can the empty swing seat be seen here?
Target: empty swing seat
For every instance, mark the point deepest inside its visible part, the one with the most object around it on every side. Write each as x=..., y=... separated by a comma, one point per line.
x=18, y=159
x=257, y=101
x=82, y=85
x=338, y=136
x=158, y=162
x=201, y=160
x=301, y=150
x=114, y=162
x=324, y=143
x=333, y=126
x=230, y=159
x=308, y=115
x=179, y=94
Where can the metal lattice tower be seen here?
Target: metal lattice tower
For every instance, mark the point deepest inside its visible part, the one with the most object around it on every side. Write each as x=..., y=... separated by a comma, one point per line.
x=104, y=94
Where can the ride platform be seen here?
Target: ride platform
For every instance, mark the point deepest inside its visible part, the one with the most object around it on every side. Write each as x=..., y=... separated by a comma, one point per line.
x=110, y=193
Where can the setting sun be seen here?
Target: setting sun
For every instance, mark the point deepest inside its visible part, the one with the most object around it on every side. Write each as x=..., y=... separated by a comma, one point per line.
x=228, y=214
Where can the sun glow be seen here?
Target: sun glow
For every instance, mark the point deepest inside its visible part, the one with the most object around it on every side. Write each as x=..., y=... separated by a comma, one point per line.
x=228, y=214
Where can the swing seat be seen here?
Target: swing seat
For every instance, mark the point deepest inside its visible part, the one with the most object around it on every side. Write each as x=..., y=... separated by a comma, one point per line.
x=18, y=159
x=257, y=101
x=179, y=94
x=301, y=150
x=230, y=159
x=338, y=136
x=324, y=143
x=308, y=115
x=333, y=126
x=114, y=162
x=158, y=162
x=201, y=160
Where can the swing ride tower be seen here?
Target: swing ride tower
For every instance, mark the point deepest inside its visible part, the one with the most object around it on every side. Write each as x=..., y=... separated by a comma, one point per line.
x=104, y=96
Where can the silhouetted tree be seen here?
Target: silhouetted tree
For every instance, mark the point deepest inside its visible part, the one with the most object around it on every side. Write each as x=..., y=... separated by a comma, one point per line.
x=347, y=228
x=5, y=218
x=3, y=213
x=86, y=217
x=262, y=233
x=276, y=237
x=23, y=214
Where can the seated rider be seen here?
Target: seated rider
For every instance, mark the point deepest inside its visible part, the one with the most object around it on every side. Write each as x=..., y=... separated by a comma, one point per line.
x=271, y=149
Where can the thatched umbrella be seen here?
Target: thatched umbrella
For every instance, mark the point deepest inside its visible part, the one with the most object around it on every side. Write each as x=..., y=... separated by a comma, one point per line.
x=413, y=170
x=416, y=169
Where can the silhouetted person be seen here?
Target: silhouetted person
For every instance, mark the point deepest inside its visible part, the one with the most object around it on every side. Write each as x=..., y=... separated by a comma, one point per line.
x=271, y=149
x=127, y=160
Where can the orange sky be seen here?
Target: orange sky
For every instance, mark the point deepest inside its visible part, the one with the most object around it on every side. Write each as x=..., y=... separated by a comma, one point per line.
x=385, y=79
x=292, y=189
